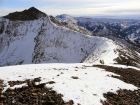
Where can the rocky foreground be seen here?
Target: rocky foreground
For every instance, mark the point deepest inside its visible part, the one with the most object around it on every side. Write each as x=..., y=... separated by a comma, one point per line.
x=32, y=94
x=36, y=93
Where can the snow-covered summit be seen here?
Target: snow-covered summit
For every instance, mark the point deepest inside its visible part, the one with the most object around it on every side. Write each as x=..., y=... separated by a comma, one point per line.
x=65, y=17
x=71, y=23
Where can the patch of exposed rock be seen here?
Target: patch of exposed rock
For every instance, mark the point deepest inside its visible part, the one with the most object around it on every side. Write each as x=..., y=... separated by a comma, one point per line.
x=123, y=96
x=32, y=94
x=30, y=14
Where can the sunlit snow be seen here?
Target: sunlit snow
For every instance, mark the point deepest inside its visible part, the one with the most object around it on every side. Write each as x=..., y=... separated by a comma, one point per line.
x=88, y=89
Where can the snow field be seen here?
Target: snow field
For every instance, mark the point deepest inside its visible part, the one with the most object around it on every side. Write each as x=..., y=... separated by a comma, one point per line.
x=88, y=89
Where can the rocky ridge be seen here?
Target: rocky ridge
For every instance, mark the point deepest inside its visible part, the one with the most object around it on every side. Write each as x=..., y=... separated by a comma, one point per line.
x=125, y=31
x=47, y=41
x=30, y=14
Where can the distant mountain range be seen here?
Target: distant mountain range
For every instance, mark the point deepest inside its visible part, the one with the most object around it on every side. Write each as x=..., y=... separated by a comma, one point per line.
x=126, y=31
x=133, y=17
x=31, y=36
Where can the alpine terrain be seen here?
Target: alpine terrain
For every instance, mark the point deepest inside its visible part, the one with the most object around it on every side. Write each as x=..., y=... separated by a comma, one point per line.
x=31, y=37
x=46, y=60
x=126, y=31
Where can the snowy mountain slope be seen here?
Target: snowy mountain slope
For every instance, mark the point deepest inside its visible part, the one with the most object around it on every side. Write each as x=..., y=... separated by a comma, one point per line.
x=90, y=84
x=18, y=41
x=71, y=23
x=42, y=41
x=125, y=31
x=112, y=54
x=99, y=29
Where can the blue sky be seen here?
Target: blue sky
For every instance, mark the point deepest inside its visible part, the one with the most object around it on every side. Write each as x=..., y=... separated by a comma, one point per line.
x=74, y=7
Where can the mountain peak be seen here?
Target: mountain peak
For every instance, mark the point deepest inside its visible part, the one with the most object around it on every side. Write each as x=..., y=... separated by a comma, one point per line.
x=33, y=9
x=29, y=14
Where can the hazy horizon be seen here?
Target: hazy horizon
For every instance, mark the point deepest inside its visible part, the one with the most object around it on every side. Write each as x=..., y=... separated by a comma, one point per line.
x=75, y=7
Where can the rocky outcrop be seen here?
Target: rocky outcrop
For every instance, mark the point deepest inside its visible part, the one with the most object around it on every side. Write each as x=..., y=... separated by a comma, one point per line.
x=123, y=96
x=30, y=14
x=32, y=94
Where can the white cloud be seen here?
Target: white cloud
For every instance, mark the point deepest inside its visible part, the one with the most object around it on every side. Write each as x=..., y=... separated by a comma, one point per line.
x=51, y=5
x=77, y=7
x=113, y=9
